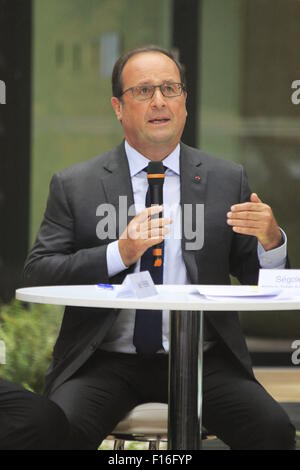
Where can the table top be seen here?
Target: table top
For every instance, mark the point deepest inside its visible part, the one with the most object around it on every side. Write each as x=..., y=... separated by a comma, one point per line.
x=169, y=297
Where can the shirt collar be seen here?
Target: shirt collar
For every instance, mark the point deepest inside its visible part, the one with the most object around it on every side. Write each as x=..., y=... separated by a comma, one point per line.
x=137, y=162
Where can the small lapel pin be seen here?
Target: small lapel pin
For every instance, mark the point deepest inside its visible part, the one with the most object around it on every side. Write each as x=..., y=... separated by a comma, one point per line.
x=197, y=178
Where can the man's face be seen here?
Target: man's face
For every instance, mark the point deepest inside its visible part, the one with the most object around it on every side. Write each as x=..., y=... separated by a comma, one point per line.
x=157, y=123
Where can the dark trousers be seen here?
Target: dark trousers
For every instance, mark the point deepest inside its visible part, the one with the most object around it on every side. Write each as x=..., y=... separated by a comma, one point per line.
x=235, y=407
x=29, y=421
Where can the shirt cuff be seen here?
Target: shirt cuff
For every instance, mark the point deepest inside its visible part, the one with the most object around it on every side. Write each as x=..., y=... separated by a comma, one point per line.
x=273, y=259
x=113, y=258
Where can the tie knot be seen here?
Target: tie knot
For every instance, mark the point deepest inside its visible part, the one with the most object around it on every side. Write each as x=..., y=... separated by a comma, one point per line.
x=146, y=169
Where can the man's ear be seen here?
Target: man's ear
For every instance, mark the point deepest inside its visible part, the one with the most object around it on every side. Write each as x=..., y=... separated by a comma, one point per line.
x=117, y=107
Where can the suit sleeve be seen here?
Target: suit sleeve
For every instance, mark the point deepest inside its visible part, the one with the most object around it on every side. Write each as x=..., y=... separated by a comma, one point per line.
x=53, y=259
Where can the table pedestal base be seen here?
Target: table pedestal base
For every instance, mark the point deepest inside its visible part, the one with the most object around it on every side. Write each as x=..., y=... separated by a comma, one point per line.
x=185, y=380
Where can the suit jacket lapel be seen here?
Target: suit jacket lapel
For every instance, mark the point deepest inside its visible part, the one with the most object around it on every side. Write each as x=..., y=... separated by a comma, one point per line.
x=193, y=178
x=119, y=193
x=118, y=187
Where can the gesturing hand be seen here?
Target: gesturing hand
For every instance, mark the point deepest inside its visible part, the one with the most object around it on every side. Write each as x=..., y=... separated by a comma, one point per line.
x=257, y=219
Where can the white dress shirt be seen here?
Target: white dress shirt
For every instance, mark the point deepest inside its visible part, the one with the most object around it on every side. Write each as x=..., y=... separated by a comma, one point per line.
x=120, y=336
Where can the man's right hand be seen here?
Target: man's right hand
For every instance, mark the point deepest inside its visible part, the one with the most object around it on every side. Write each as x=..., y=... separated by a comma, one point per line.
x=141, y=233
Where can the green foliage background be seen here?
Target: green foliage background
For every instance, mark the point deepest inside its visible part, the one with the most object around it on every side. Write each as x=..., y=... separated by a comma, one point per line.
x=29, y=333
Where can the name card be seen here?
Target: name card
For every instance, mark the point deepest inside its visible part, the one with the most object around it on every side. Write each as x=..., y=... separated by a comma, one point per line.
x=280, y=278
x=138, y=285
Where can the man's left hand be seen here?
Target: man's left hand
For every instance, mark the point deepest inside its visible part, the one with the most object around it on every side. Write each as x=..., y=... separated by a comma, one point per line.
x=257, y=219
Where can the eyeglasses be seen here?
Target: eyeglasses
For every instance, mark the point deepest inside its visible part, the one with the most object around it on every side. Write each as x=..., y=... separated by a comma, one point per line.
x=146, y=92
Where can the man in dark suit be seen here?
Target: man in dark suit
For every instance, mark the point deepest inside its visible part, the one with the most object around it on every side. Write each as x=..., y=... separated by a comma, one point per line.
x=98, y=373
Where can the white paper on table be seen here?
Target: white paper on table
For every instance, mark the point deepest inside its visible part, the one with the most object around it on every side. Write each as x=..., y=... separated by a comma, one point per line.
x=237, y=291
x=138, y=285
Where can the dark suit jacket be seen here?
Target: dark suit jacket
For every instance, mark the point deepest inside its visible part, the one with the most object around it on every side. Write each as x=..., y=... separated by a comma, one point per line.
x=68, y=251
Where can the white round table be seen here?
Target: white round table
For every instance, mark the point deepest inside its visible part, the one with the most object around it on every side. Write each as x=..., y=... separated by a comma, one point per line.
x=186, y=340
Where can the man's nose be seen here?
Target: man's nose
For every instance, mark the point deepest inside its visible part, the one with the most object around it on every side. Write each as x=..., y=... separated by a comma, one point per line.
x=158, y=99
